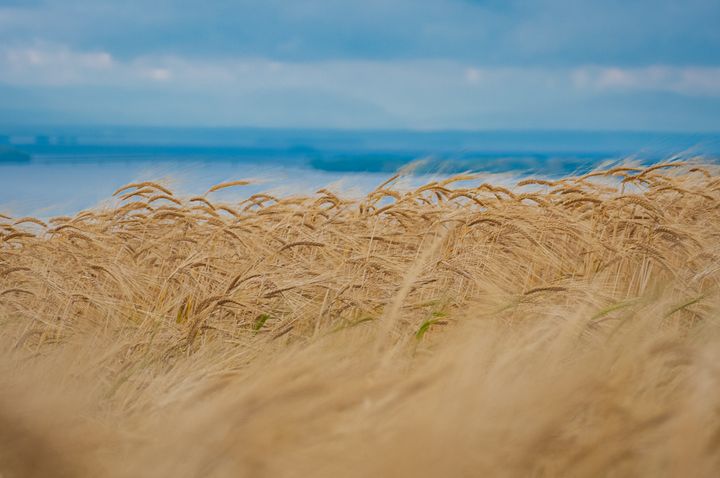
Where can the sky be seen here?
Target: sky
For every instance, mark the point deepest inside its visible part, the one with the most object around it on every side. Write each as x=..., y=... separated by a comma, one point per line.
x=641, y=65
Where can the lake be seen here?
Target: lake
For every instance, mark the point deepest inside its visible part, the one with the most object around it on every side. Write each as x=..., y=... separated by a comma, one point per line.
x=60, y=170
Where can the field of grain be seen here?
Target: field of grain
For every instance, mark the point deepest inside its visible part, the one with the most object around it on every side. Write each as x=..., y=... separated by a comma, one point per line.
x=555, y=328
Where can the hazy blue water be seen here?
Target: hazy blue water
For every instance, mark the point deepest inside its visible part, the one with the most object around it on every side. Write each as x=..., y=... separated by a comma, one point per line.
x=68, y=169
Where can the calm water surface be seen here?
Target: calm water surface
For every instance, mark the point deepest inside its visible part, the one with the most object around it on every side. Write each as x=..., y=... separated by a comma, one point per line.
x=63, y=170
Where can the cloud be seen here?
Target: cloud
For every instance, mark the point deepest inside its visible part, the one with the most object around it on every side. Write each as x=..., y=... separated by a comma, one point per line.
x=43, y=64
x=692, y=81
x=159, y=74
x=348, y=93
x=53, y=65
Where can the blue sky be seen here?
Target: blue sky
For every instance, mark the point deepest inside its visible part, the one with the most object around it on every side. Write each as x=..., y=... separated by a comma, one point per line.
x=420, y=64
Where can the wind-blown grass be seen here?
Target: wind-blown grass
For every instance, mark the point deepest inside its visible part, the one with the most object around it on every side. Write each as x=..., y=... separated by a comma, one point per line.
x=563, y=327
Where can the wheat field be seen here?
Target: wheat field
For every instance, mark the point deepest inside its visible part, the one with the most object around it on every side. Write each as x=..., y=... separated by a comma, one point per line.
x=555, y=328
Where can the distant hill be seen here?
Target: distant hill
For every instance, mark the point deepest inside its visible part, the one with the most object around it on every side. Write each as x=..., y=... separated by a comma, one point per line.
x=8, y=154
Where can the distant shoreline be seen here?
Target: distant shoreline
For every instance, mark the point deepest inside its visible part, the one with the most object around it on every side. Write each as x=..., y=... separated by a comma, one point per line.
x=12, y=155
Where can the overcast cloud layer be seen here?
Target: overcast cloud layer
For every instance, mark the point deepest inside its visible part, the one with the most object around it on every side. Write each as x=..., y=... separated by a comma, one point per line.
x=640, y=65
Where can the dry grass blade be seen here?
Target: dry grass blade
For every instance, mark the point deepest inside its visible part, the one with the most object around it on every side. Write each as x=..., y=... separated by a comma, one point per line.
x=32, y=220
x=567, y=330
x=301, y=243
x=146, y=184
x=229, y=184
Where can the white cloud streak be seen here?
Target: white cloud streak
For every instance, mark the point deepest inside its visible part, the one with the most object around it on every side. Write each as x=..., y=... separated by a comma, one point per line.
x=350, y=93
x=55, y=65
x=691, y=81
x=52, y=65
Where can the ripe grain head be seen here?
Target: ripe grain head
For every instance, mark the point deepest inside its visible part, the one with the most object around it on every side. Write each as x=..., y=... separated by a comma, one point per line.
x=566, y=330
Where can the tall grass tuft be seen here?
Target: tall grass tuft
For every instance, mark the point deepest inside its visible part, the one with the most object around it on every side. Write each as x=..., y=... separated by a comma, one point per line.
x=555, y=328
